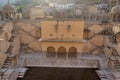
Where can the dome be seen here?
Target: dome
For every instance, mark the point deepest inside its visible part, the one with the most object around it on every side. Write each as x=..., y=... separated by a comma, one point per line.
x=8, y=8
x=115, y=9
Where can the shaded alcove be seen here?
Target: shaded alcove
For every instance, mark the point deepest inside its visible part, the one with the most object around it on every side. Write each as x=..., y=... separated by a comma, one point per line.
x=72, y=53
x=60, y=74
x=50, y=52
x=61, y=52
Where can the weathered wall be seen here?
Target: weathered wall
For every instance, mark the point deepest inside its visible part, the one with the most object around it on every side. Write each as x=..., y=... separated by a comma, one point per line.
x=63, y=33
x=16, y=44
x=29, y=35
x=5, y=36
x=9, y=42
x=66, y=30
x=3, y=57
x=97, y=37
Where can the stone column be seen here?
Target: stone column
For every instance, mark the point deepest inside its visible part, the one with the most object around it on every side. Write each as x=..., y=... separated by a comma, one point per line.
x=67, y=55
x=56, y=54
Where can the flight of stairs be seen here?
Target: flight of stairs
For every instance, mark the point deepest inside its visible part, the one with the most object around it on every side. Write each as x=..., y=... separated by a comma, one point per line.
x=8, y=62
x=10, y=74
x=21, y=62
x=117, y=65
x=10, y=49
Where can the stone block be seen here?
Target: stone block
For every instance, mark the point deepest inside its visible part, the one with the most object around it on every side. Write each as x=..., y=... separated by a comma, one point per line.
x=35, y=46
x=28, y=27
x=36, y=24
x=107, y=51
x=98, y=40
x=88, y=34
x=36, y=33
x=21, y=31
x=88, y=47
x=95, y=52
x=26, y=38
x=96, y=28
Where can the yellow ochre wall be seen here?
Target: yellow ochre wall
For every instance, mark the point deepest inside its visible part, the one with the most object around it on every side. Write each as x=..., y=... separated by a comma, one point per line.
x=76, y=29
x=62, y=37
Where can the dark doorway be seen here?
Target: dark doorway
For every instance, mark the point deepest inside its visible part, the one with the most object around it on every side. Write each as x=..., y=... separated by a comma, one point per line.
x=61, y=74
x=61, y=52
x=72, y=52
x=51, y=52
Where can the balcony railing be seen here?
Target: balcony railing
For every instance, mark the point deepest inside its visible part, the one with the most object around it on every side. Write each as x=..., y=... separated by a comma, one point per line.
x=61, y=40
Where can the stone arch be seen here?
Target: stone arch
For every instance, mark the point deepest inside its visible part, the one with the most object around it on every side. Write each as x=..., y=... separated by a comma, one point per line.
x=61, y=52
x=72, y=53
x=6, y=36
x=50, y=52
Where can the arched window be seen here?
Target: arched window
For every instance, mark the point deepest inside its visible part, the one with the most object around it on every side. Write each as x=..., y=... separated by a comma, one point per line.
x=61, y=52
x=50, y=52
x=6, y=36
x=72, y=53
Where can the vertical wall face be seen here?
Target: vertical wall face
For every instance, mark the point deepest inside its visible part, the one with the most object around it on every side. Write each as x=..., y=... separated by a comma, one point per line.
x=5, y=36
x=66, y=30
x=62, y=34
x=2, y=58
x=29, y=34
x=16, y=43
x=4, y=41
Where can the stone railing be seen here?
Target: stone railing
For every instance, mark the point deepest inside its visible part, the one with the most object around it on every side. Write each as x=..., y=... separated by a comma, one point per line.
x=49, y=62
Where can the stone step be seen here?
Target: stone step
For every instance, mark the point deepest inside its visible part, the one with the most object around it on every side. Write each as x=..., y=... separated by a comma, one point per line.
x=22, y=72
x=116, y=62
x=6, y=66
x=117, y=65
x=10, y=74
x=7, y=61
